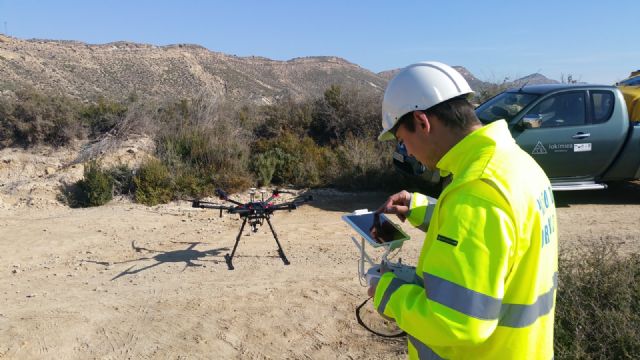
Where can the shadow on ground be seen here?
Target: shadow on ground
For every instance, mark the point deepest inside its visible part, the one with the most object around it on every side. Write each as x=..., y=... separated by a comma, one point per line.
x=188, y=256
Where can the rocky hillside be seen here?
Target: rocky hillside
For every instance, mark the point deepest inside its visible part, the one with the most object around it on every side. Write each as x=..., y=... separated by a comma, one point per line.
x=117, y=70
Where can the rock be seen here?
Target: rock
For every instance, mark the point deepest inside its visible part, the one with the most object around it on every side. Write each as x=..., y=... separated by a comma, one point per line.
x=15, y=271
x=31, y=295
x=50, y=171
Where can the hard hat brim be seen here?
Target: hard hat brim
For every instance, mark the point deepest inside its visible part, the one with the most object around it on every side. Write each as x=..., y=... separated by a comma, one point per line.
x=386, y=135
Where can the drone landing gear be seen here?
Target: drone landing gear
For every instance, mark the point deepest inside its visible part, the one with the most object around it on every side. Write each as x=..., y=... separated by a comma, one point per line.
x=229, y=257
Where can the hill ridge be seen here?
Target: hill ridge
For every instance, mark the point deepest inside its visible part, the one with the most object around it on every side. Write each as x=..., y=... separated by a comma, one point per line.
x=120, y=68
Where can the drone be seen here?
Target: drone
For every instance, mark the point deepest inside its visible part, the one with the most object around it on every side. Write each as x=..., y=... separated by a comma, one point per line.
x=254, y=212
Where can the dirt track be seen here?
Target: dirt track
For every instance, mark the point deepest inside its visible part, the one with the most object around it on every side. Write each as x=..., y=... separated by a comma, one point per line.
x=127, y=281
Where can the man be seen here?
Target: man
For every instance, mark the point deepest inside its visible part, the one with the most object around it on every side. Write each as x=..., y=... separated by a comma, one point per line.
x=488, y=266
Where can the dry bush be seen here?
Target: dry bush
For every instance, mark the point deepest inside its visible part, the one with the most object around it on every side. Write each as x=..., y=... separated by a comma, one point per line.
x=286, y=116
x=34, y=117
x=341, y=113
x=296, y=161
x=139, y=119
x=365, y=165
x=200, y=137
x=598, y=304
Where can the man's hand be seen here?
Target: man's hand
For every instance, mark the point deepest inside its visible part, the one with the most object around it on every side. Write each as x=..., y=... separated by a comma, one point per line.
x=397, y=204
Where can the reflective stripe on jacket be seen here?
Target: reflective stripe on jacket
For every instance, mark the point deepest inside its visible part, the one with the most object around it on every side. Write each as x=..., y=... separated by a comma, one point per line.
x=488, y=265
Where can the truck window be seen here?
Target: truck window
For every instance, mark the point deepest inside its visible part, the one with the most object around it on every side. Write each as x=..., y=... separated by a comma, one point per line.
x=601, y=105
x=564, y=109
x=504, y=106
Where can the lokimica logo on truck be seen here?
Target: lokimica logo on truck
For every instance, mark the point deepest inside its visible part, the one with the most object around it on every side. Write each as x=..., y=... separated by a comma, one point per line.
x=560, y=147
x=539, y=149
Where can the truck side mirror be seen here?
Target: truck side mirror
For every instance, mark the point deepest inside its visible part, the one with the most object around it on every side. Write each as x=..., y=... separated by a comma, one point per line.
x=531, y=121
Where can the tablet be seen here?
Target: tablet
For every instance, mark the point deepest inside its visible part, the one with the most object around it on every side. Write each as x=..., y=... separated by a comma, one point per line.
x=389, y=234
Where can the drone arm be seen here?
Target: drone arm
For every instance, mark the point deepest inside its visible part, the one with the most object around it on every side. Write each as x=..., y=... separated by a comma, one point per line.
x=222, y=195
x=208, y=205
x=293, y=204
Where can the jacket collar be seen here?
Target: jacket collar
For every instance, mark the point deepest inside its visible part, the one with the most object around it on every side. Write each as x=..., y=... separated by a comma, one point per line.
x=469, y=157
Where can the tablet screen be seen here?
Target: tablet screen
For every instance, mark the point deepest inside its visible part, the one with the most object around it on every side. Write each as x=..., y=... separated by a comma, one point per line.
x=386, y=231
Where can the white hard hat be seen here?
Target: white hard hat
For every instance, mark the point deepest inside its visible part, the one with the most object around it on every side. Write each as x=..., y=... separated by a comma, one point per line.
x=418, y=87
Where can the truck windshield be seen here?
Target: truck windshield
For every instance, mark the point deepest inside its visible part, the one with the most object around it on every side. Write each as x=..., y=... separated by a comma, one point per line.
x=504, y=106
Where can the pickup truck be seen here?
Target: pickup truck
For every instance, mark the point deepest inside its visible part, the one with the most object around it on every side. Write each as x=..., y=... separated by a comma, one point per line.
x=581, y=135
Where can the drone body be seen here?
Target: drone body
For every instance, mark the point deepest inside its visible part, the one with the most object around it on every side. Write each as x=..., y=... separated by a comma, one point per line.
x=255, y=213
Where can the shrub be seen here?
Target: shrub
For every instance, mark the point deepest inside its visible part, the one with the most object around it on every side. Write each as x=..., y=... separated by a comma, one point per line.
x=298, y=161
x=122, y=177
x=264, y=167
x=598, y=304
x=103, y=116
x=95, y=189
x=203, y=147
x=37, y=118
x=153, y=183
x=341, y=113
x=365, y=164
x=286, y=116
x=190, y=181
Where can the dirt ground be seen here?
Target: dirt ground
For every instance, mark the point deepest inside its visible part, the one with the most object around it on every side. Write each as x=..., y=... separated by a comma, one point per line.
x=130, y=281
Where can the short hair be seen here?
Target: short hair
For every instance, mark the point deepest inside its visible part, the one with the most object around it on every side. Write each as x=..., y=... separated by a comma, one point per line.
x=456, y=113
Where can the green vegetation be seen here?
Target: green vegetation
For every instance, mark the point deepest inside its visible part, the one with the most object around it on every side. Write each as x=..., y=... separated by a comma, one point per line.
x=33, y=118
x=153, y=183
x=598, y=304
x=202, y=144
x=103, y=116
x=97, y=186
x=94, y=189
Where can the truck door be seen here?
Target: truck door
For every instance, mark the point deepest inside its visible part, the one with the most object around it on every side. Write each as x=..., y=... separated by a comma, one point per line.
x=575, y=140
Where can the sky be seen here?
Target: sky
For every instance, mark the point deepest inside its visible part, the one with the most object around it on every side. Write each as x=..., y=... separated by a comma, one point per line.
x=594, y=42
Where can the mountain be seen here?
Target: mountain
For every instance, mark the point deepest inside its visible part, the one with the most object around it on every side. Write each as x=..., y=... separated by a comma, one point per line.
x=118, y=69
x=477, y=84
x=533, y=79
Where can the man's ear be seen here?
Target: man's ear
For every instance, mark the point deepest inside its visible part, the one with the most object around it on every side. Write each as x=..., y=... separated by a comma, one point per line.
x=422, y=121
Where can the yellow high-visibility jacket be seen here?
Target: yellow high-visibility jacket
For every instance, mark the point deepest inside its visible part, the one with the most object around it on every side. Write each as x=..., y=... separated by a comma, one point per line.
x=487, y=273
